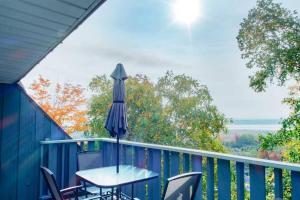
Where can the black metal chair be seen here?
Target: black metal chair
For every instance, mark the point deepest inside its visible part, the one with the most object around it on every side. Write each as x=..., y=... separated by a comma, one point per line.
x=90, y=160
x=182, y=187
x=67, y=193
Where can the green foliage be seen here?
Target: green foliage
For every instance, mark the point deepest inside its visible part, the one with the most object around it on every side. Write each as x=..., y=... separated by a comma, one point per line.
x=99, y=104
x=288, y=138
x=269, y=39
x=197, y=123
x=176, y=110
x=244, y=141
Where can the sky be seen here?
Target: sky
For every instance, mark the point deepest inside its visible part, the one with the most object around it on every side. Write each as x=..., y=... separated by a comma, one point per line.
x=145, y=37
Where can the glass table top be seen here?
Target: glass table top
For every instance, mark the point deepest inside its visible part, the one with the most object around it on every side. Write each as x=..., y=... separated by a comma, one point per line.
x=108, y=177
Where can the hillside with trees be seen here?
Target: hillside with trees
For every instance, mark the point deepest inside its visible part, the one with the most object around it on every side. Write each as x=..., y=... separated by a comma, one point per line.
x=177, y=110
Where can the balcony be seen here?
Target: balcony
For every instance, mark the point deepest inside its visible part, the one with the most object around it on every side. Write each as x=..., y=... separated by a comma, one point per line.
x=226, y=176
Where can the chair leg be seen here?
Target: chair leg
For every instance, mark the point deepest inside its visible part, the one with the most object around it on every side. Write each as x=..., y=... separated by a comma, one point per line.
x=76, y=194
x=84, y=185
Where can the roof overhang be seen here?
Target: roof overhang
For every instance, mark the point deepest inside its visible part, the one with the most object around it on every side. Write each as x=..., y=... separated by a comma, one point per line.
x=30, y=29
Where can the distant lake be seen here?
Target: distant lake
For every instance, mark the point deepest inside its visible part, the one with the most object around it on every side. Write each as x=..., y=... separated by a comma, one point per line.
x=255, y=124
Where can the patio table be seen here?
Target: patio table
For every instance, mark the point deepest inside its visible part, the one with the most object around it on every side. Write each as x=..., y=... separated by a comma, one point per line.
x=107, y=177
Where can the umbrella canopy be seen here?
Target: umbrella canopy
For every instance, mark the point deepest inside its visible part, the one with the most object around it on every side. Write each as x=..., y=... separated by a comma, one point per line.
x=116, y=122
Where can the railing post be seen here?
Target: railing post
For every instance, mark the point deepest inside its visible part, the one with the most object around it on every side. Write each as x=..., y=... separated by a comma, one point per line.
x=64, y=167
x=127, y=155
x=295, y=185
x=257, y=182
x=109, y=155
x=72, y=163
x=81, y=146
x=210, y=179
x=59, y=165
x=174, y=170
x=154, y=164
x=240, y=181
x=224, y=180
x=278, y=187
x=139, y=161
x=52, y=159
x=43, y=163
x=186, y=163
x=166, y=166
x=91, y=145
x=197, y=167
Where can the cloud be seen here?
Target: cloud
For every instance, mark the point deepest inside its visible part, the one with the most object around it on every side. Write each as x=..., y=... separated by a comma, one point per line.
x=139, y=57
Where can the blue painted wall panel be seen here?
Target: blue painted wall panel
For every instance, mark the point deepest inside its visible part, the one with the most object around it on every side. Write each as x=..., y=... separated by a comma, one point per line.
x=1, y=117
x=43, y=131
x=27, y=158
x=10, y=143
x=23, y=126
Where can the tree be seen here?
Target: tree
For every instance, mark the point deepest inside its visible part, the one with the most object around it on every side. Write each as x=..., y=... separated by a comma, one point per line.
x=287, y=140
x=146, y=120
x=189, y=106
x=65, y=105
x=176, y=110
x=269, y=39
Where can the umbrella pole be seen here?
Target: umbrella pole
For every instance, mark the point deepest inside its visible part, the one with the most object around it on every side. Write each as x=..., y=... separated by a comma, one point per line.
x=118, y=153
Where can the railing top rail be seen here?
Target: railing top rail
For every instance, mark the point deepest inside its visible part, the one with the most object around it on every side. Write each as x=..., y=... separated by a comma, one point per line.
x=224, y=156
x=45, y=142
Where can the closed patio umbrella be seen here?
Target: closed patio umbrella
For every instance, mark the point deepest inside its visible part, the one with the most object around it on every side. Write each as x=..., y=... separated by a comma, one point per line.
x=116, y=122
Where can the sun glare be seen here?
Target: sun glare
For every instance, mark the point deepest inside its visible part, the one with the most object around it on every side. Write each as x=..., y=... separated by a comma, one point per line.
x=186, y=12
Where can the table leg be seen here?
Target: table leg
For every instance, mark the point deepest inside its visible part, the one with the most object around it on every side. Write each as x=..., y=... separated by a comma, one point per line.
x=132, y=189
x=118, y=193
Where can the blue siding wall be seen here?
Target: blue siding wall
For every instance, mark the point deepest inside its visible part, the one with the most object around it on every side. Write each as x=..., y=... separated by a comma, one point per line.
x=23, y=125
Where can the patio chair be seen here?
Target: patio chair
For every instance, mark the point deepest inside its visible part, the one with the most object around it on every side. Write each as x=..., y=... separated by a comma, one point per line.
x=67, y=193
x=90, y=160
x=182, y=187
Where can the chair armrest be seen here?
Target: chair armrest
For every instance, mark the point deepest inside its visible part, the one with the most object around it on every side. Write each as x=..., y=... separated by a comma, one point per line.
x=71, y=189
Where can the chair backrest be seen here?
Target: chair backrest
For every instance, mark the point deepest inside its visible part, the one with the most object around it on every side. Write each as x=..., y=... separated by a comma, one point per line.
x=182, y=187
x=51, y=183
x=89, y=160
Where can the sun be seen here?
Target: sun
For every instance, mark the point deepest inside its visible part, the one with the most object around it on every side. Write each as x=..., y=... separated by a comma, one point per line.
x=186, y=12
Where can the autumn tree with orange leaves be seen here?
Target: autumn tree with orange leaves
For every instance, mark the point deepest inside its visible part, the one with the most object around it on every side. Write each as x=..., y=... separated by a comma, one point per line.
x=65, y=105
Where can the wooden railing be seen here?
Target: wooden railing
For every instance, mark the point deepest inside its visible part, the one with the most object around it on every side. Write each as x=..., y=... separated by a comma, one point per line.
x=226, y=176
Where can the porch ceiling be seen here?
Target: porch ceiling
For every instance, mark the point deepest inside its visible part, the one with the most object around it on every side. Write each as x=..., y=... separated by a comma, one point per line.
x=30, y=29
